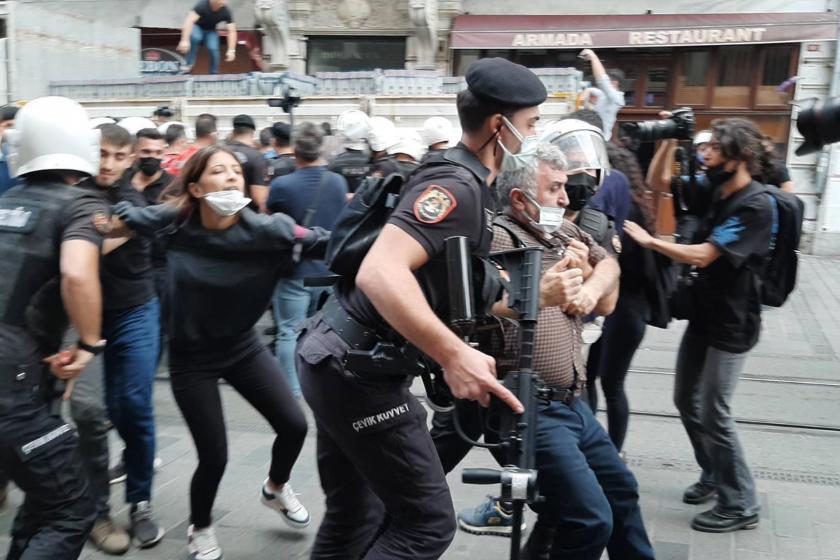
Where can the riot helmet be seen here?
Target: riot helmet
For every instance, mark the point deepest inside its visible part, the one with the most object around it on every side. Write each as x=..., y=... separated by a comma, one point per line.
x=53, y=134
x=354, y=127
x=135, y=124
x=383, y=134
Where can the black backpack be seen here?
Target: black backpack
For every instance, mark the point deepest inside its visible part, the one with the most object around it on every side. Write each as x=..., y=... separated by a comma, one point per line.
x=360, y=222
x=779, y=275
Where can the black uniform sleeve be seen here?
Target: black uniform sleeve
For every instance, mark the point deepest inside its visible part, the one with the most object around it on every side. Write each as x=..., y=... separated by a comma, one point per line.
x=746, y=232
x=432, y=211
x=260, y=173
x=84, y=218
x=148, y=221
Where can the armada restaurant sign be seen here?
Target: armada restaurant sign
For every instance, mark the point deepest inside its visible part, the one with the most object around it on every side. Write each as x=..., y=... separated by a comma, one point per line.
x=558, y=32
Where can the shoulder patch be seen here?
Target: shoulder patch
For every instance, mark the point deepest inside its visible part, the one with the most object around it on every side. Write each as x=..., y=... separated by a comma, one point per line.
x=434, y=204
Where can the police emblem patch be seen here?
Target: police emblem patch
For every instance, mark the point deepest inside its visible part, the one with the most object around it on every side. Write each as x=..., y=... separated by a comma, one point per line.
x=102, y=223
x=434, y=205
x=616, y=243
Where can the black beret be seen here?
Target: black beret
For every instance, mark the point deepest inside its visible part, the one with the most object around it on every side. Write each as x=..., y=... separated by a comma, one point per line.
x=505, y=82
x=8, y=112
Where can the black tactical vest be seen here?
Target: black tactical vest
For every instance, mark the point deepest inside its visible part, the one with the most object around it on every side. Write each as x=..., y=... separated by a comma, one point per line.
x=32, y=219
x=353, y=165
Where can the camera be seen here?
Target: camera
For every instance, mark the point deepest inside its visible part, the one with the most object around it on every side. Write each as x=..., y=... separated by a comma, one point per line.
x=818, y=122
x=290, y=100
x=680, y=125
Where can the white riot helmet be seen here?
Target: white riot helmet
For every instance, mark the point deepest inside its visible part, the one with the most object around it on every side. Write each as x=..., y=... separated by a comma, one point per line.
x=383, y=134
x=53, y=133
x=583, y=145
x=99, y=121
x=702, y=137
x=436, y=130
x=409, y=144
x=354, y=126
x=135, y=124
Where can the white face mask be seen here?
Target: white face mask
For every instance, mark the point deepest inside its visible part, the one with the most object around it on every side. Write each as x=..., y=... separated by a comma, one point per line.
x=527, y=150
x=549, y=218
x=226, y=203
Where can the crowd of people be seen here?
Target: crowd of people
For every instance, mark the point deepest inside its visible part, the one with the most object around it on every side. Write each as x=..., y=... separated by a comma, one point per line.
x=138, y=239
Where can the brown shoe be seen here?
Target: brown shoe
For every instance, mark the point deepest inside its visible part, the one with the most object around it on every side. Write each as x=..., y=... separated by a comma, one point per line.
x=109, y=538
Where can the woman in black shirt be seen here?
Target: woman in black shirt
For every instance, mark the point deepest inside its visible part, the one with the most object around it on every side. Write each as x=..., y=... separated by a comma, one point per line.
x=223, y=263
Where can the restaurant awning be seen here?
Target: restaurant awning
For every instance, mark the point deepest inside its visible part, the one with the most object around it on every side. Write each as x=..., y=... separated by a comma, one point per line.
x=656, y=30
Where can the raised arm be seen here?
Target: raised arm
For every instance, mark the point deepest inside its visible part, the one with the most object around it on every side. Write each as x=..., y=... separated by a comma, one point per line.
x=186, y=31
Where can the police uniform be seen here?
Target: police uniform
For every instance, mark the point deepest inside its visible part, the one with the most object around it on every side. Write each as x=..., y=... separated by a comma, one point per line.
x=37, y=449
x=385, y=488
x=353, y=165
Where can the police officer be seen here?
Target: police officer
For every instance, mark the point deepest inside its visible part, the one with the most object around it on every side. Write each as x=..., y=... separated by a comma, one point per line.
x=50, y=243
x=375, y=455
x=354, y=162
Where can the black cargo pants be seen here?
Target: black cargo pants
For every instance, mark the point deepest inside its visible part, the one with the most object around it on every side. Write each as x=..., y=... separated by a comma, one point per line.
x=386, y=493
x=38, y=452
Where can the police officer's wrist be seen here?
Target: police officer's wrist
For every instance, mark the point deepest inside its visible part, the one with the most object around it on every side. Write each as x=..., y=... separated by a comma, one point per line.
x=95, y=349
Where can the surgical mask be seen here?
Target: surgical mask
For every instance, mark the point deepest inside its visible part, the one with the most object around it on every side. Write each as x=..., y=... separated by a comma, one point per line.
x=149, y=165
x=226, y=203
x=527, y=151
x=579, y=188
x=718, y=175
x=549, y=218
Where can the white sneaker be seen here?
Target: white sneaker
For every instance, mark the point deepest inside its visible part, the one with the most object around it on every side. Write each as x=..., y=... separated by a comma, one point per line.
x=285, y=502
x=202, y=544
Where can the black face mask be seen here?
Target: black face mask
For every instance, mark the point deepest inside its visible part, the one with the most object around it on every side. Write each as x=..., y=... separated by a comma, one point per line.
x=149, y=165
x=580, y=188
x=718, y=175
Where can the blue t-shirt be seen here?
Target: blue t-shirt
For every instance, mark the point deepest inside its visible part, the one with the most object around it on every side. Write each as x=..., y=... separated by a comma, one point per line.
x=613, y=198
x=293, y=194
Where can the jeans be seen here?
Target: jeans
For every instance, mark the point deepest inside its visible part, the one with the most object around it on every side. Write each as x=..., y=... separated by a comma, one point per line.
x=293, y=303
x=257, y=379
x=592, y=498
x=87, y=408
x=703, y=390
x=211, y=41
x=131, y=357
x=610, y=358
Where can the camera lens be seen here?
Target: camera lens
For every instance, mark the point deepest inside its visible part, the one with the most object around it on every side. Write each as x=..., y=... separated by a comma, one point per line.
x=817, y=123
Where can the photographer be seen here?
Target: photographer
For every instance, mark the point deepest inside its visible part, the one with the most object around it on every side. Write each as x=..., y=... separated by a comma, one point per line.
x=724, y=320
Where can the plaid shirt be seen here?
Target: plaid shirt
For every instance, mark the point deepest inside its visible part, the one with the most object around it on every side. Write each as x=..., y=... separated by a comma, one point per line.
x=557, y=355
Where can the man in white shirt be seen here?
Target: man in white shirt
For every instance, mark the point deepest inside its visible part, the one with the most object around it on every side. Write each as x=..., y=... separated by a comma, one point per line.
x=606, y=98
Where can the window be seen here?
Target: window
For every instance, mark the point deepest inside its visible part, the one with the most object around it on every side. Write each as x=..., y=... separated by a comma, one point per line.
x=344, y=54
x=776, y=70
x=734, y=76
x=628, y=84
x=657, y=86
x=691, y=83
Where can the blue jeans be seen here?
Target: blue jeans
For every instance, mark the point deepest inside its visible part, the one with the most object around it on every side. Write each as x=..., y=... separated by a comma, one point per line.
x=293, y=303
x=210, y=40
x=592, y=498
x=131, y=357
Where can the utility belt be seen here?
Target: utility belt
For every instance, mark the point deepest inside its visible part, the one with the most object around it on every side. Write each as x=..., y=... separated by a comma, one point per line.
x=369, y=355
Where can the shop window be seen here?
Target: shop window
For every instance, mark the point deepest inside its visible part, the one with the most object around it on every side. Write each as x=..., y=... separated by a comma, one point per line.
x=463, y=59
x=346, y=54
x=735, y=71
x=776, y=70
x=628, y=85
x=691, y=83
x=656, y=86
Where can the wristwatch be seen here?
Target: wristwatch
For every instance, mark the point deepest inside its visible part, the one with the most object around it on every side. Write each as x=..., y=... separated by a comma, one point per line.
x=94, y=349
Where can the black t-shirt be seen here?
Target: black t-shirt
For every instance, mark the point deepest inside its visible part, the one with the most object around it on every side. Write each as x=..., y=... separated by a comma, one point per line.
x=208, y=19
x=39, y=297
x=353, y=165
x=280, y=165
x=441, y=201
x=777, y=175
x=126, y=272
x=152, y=195
x=253, y=165
x=728, y=292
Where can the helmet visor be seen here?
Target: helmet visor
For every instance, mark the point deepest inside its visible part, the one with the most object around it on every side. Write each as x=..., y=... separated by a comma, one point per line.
x=584, y=149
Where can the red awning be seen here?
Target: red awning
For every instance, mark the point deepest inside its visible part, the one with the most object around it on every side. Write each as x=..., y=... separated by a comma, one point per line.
x=671, y=30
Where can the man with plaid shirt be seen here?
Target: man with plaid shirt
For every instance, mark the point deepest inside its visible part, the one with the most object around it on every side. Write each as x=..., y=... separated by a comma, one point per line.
x=591, y=496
